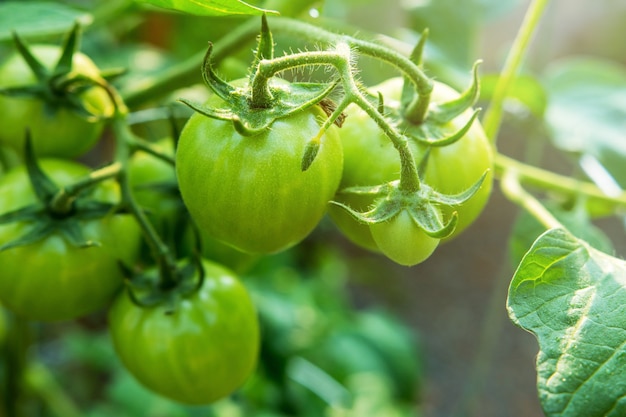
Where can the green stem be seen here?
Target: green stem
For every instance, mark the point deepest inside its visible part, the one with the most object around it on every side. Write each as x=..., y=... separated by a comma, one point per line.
x=41, y=382
x=493, y=117
x=160, y=251
x=548, y=180
x=188, y=71
x=512, y=188
x=340, y=58
x=63, y=200
x=413, y=72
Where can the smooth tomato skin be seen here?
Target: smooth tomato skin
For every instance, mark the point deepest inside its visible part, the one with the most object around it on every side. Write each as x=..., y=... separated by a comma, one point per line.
x=203, y=351
x=371, y=159
x=250, y=192
x=51, y=280
x=62, y=133
x=402, y=241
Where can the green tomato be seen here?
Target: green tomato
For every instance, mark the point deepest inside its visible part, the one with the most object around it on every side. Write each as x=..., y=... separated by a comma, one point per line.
x=201, y=351
x=402, y=240
x=250, y=191
x=370, y=159
x=164, y=206
x=51, y=279
x=57, y=132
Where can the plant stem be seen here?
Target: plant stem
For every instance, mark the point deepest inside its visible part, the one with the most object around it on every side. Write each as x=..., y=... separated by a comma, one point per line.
x=316, y=34
x=548, y=180
x=38, y=379
x=160, y=251
x=189, y=70
x=512, y=188
x=493, y=117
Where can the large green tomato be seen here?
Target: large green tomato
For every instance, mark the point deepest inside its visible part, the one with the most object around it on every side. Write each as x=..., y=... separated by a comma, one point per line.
x=58, y=132
x=51, y=279
x=202, y=350
x=250, y=191
x=370, y=159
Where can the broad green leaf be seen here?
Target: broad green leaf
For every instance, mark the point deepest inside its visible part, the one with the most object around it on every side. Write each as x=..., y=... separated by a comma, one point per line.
x=587, y=111
x=527, y=228
x=525, y=89
x=208, y=7
x=38, y=19
x=573, y=299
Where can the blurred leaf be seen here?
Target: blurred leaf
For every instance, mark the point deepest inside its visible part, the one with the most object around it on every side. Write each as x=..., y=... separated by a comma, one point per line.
x=208, y=7
x=587, y=111
x=454, y=26
x=525, y=89
x=38, y=19
x=573, y=299
x=527, y=228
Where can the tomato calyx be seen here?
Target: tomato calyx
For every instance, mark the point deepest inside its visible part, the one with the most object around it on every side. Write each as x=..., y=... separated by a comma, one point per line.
x=61, y=86
x=287, y=98
x=58, y=210
x=165, y=284
x=422, y=205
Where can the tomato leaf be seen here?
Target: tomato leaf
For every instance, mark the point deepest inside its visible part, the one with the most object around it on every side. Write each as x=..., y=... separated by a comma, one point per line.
x=587, y=111
x=38, y=19
x=572, y=298
x=209, y=7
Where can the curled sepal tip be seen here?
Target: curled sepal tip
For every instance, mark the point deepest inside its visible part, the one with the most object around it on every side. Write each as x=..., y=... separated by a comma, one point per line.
x=429, y=220
x=462, y=197
x=447, y=111
x=215, y=83
x=454, y=137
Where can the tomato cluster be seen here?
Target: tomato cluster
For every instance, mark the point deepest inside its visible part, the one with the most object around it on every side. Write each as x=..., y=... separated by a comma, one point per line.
x=252, y=173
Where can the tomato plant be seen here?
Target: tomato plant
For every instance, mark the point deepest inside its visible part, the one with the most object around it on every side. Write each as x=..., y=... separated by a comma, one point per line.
x=57, y=128
x=370, y=114
x=52, y=278
x=199, y=350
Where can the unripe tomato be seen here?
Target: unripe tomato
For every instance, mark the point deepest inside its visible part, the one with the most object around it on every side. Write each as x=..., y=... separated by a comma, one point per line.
x=371, y=159
x=250, y=191
x=202, y=350
x=58, y=132
x=402, y=241
x=51, y=279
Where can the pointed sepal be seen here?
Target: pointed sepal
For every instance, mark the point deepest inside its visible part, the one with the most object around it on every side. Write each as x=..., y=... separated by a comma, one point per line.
x=445, y=112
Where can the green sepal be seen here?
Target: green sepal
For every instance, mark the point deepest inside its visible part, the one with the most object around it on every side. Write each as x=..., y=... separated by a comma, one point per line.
x=44, y=219
x=288, y=98
x=43, y=186
x=460, y=198
x=408, y=89
x=40, y=71
x=64, y=64
x=445, y=112
x=59, y=87
x=146, y=289
x=429, y=221
x=447, y=140
x=265, y=45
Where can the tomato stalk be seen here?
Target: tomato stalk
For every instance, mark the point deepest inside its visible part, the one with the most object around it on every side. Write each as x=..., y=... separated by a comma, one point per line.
x=161, y=252
x=341, y=59
x=413, y=72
